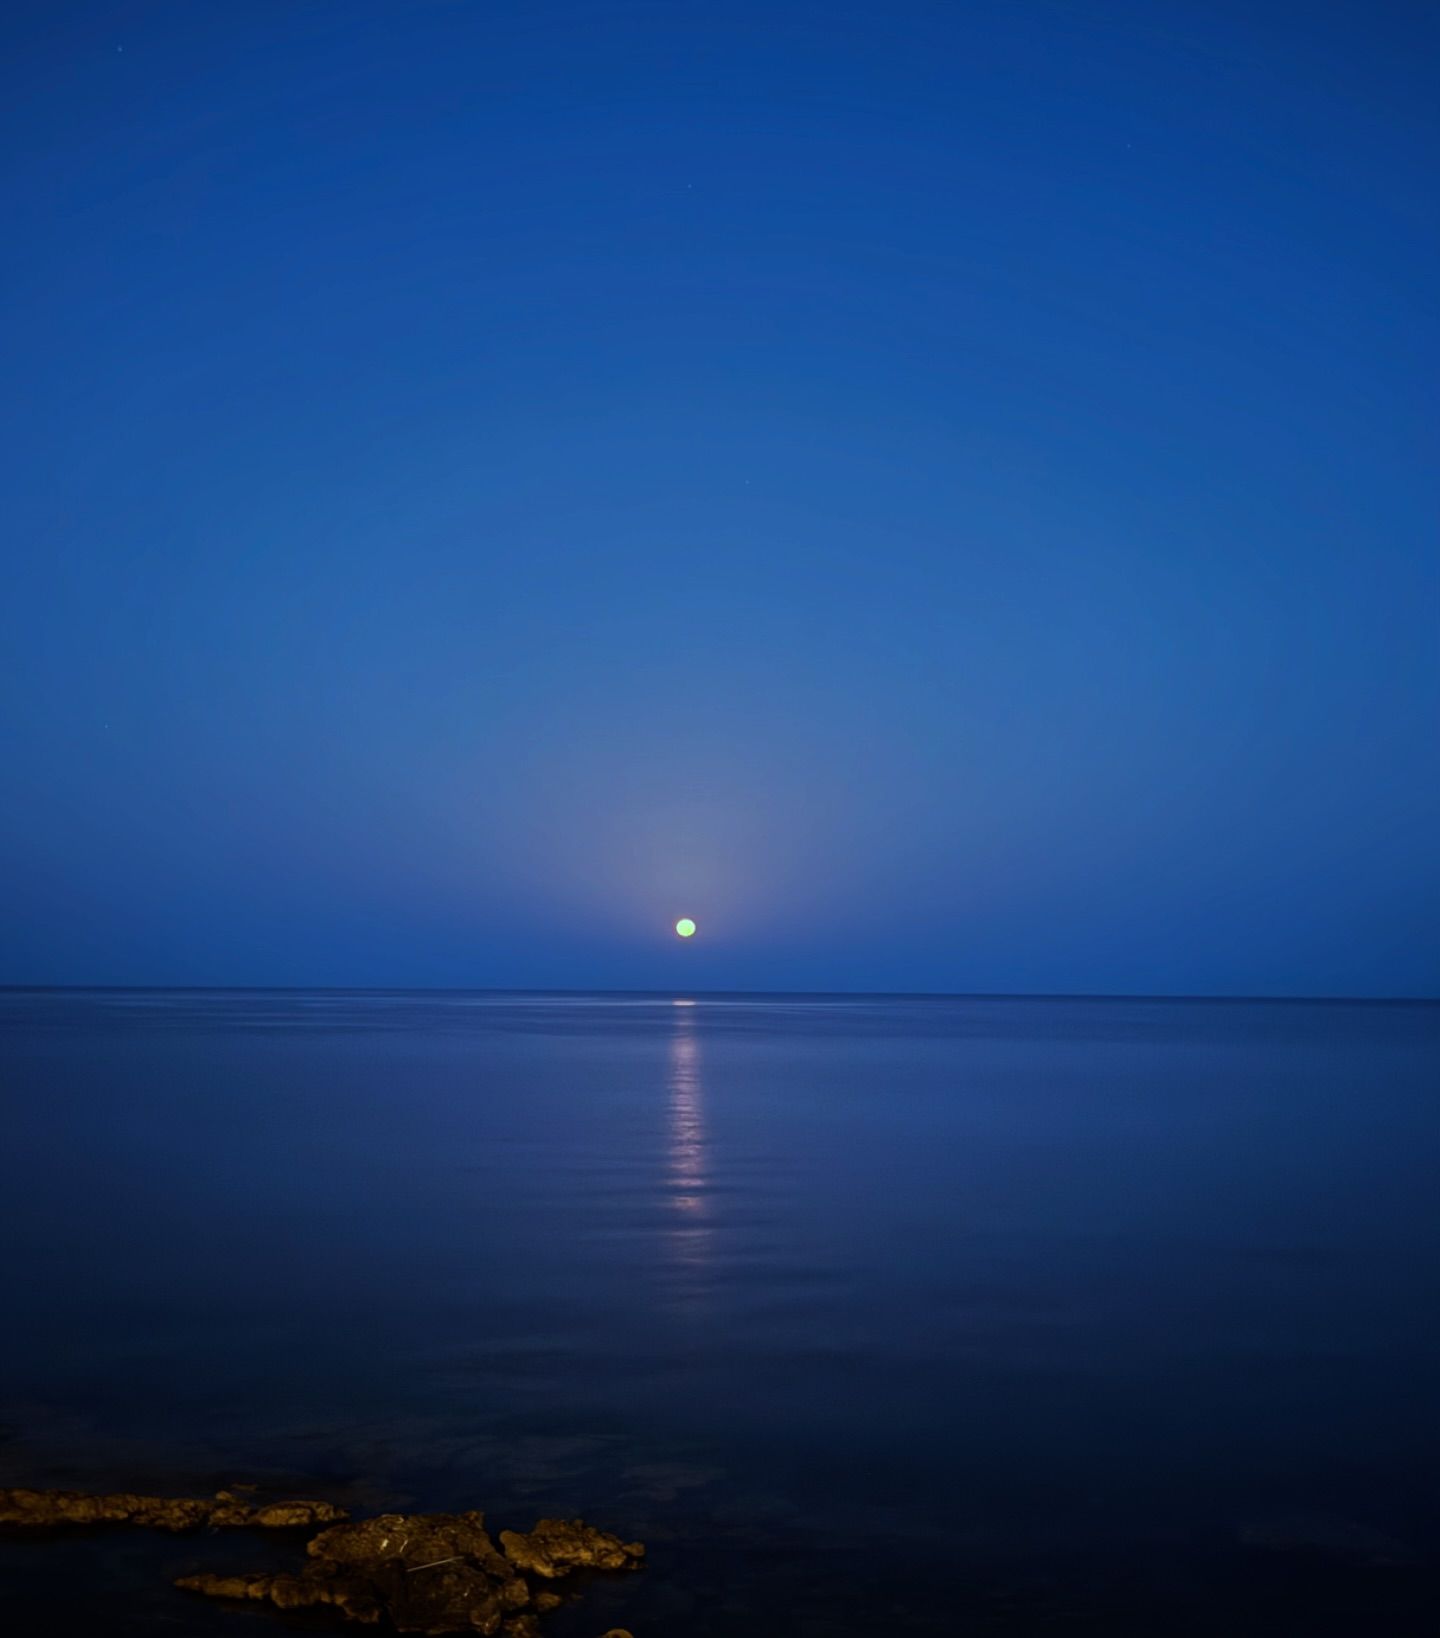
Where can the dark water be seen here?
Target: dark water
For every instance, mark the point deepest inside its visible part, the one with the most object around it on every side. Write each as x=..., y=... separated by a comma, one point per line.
x=868, y=1315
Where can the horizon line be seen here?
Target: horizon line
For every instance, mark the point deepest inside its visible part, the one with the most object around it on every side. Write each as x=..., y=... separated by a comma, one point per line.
x=854, y=995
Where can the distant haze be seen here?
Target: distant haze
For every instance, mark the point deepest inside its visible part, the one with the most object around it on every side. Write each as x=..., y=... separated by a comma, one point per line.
x=942, y=495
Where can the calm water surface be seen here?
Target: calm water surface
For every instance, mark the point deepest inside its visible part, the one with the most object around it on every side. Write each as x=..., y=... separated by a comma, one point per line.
x=930, y=1315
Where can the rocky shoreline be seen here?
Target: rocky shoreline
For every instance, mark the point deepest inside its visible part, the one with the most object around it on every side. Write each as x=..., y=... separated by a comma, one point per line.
x=46, y=1509
x=417, y=1572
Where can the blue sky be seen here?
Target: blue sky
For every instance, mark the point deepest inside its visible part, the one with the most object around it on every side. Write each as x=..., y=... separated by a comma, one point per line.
x=943, y=495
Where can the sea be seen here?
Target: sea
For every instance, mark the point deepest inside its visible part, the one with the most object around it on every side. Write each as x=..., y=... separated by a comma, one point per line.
x=867, y=1314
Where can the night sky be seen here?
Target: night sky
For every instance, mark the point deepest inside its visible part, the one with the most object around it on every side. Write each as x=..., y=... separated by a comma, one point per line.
x=942, y=494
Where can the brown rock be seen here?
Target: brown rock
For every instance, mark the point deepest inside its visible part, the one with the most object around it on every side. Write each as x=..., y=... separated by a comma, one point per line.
x=295, y=1515
x=48, y=1508
x=431, y=1572
x=421, y=1572
x=555, y=1547
x=289, y=1592
x=414, y=1539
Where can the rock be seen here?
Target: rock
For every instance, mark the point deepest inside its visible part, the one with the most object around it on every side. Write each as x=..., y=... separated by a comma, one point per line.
x=555, y=1547
x=413, y=1539
x=432, y=1572
x=288, y=1592
x=48, y=1508
x=295, y=1515
x=420, y=1572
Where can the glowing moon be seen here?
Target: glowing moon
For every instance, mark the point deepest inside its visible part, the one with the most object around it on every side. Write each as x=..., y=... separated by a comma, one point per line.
x=685, y=927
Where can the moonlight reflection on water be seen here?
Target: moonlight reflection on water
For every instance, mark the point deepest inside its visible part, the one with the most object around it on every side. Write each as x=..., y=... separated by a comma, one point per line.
x=689, y=1230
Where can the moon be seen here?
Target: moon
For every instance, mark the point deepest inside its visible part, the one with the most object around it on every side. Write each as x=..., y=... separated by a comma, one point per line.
x=685, y=927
